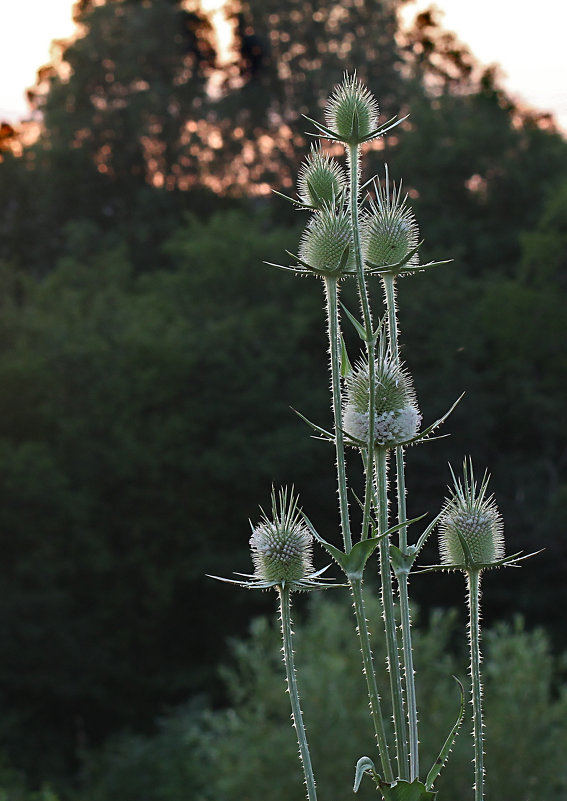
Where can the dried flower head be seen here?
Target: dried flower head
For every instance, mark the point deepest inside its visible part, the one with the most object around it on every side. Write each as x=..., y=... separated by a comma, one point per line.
x=321, y=181
x=396, y=417
x=352, y=111
x=470, y=522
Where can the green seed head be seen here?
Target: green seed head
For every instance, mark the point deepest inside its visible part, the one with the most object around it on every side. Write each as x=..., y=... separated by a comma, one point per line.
x=321, y=180
x=389, y=230
x=326, y=240
x=352, y=111
x=397, y=416
x=470, y=517
x=282, y=547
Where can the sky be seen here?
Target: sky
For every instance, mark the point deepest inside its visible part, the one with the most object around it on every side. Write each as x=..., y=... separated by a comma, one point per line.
x=527, y=40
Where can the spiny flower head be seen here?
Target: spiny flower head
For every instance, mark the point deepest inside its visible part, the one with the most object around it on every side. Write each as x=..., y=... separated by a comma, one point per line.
x=321, y=180
x=327, y=244
x=396, y=415
x=352, y=111
x=282, y=547
x=471, y=518
x=389, y=229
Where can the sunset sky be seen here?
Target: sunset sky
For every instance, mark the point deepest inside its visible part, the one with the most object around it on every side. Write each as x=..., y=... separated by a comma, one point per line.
x=528, y=44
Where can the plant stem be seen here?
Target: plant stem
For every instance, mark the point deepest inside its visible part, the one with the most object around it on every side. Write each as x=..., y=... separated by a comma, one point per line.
x=297, y=715
x=389, y=289
x=370, y=674
x=474, y=631
x=353, y=163
x=331, y=294
x=390, y=618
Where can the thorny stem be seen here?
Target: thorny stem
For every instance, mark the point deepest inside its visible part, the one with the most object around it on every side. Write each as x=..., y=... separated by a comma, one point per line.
x=297, y=715
x=369, y=672
x=474, y=631
x=353, y=163
x=331, y=293
x=390, y=618
x=402, y=577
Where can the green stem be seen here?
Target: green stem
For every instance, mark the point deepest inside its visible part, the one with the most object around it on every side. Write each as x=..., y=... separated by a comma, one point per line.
x=331, y=294
x=474, y=630
x=390, y=619
x=369, y=672
x=389, y=289
x=353, y=163
x=297, y=715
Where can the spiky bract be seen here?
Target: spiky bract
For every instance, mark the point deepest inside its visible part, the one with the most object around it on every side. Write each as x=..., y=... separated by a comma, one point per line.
x=389, y=229
x=352, y=111
x=321, y=181
x=470, y=517
x=327, y=243
x=282, y=547
x=397, y=416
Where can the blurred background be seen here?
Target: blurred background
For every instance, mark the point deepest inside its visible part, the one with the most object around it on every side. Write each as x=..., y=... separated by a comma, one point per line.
x=149, y=360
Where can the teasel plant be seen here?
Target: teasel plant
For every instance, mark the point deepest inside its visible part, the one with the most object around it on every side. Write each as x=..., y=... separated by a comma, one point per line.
x=363, y=233
x=471, y=540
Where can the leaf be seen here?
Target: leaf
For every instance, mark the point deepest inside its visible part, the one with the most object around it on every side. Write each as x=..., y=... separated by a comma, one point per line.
x=448, y=744
x=346, y=366
x=424, y=434
x=406, y=791
x=297, y=203
x=364, y=765
x=318, y=429
x=359, y=328
x=355, y=560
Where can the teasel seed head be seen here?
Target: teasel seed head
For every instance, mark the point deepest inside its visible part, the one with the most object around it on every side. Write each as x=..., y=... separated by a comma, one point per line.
x=352, y=111
x=397, y=418
x=321, y=181
x=470, y=517
x=282, y=547
x=389, y=228
x=327, y=243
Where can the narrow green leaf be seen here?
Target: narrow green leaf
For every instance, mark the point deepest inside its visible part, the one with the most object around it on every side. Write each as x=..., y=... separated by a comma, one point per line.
x=384, y=128
x=295, y=270
x=297, y=203
x=359, y=328
x=423, y=539
x=323, y=128
x=422, y=435
x=338, y=555
x=318, y=429
x=448, y=744
x=346, y=366
x=364, y=765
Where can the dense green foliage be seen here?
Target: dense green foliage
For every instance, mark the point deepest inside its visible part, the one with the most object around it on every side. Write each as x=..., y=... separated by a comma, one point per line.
x=148, y=359
x=249, y=750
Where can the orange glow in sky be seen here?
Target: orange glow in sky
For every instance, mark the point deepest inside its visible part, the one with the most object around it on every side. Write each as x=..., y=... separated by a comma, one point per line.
x=527, y=40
